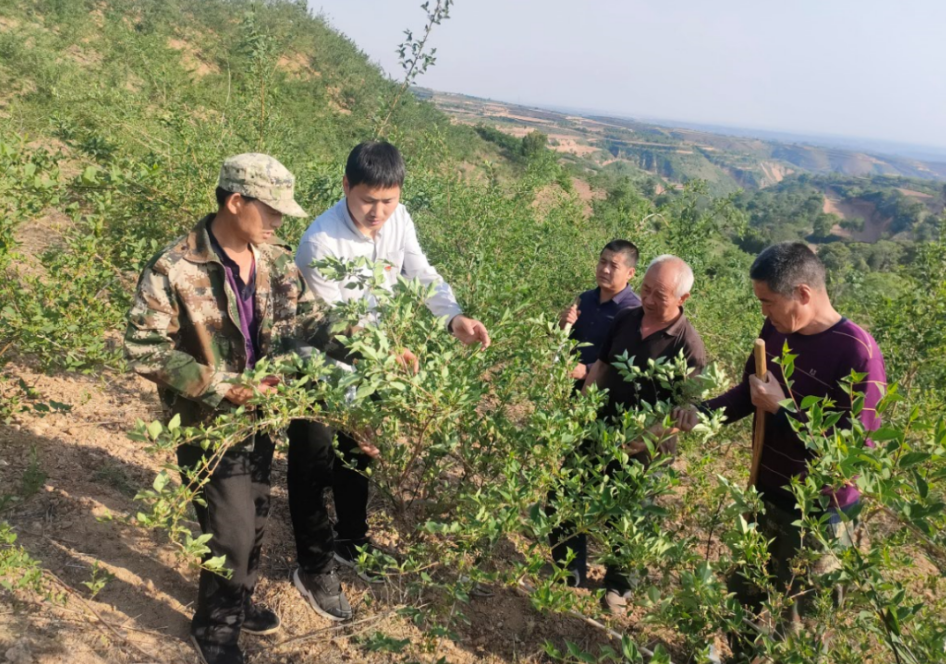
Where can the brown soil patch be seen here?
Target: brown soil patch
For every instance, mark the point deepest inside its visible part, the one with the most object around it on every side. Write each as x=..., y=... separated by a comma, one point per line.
x=334, y=101
x=297, y=65
x=552, y=195
x=16, y=88
x=192, y=59
x=133, y=83
x=98, y=15
x=68, y=167
x=774, y=172
x=35, y=237
x=874, y=226
x=8, y=23
x=572, y=145
x=83, y=56
x=514, y=130
x=913, y=194
x=586, y=192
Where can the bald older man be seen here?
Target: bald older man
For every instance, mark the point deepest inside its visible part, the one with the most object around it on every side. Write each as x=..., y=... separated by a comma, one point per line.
x=657, y=329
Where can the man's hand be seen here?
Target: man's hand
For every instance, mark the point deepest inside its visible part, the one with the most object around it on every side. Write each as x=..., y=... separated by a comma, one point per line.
x=580, y=372
x=569, y=316
x=469, y=331
x=766, y=394
x=408, y=360
x=366, y=439
x=239, y=394
x=635, y=447
x=659, y=435
x=686, y=418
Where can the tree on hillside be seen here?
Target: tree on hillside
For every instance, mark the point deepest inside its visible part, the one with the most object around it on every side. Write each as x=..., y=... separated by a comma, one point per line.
x=533, y=144
x=823, y=224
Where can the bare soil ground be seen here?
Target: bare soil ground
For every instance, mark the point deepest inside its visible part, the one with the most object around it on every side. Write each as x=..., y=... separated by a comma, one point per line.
x=874, y=225
x=87, y=473
x=775, y=172
x=572, y=145
x=297, y=65
x=192, y=59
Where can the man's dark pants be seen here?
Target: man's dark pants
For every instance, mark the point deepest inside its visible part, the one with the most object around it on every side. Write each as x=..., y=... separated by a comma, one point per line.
x=235, y=513
x=313, y=467
x=778, y=527
x=563, y=538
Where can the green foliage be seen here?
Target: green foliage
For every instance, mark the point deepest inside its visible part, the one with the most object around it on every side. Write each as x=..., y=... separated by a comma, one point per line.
x=18, y=571
x=98, y=580
x=534, y=144
x=474, y=442
x=33, y=477
x=794, y=208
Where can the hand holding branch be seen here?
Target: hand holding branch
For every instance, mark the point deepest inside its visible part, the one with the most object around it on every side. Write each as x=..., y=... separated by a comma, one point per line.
x=469, y=331
x=686, y=418
x=569, y=316
x=366, y=439
x=239, y=394
x=406, y=359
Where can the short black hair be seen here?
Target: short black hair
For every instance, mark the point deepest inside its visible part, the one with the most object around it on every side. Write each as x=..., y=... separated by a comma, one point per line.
x=627, y=249
x=376, y=164
x=222, y=195
x=785, y=266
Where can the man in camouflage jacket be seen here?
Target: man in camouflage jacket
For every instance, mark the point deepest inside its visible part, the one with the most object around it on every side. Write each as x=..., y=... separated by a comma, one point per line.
x=206, y=309
x=182, y=339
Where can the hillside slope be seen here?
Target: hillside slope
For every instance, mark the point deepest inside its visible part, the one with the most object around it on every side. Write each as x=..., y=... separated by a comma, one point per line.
x=128, y=77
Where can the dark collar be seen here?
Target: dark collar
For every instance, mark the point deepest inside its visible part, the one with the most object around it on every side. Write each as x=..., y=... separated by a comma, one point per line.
x=623, y=296
x=619, y=297
x=678, y=326
x=675, y=329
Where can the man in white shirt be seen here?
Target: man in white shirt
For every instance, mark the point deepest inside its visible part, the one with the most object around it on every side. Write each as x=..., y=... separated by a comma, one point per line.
x=369, y=222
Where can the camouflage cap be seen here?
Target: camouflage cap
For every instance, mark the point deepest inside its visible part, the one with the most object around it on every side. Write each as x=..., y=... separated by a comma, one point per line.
x=262, y=177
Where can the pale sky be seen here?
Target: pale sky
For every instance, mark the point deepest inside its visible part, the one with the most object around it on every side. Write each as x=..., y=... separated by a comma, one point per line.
x=857, y=68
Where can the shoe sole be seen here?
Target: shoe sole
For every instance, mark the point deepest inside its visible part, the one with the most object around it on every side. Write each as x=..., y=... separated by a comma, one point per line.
x=271, y=630
x=615, y=608
x=310, y=598
x=374, y=580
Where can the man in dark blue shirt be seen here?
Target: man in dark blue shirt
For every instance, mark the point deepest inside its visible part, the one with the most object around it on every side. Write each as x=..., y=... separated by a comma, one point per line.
x=592, y=312
x=590, y=317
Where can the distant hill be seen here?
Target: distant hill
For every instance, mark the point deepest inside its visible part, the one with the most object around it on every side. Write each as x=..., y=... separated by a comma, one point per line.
x=834, y=208
x=677, y=154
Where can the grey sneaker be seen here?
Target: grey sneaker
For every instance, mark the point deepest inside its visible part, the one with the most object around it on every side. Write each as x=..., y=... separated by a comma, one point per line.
x=324, y=594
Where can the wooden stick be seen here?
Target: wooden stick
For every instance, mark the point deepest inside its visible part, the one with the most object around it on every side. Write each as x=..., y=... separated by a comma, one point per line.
x=758, y=436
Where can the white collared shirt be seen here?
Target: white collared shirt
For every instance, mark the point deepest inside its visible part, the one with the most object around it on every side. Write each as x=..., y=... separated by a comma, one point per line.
x=334, y=234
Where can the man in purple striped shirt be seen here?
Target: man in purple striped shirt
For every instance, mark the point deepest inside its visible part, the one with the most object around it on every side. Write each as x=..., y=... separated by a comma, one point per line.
x=789, y=282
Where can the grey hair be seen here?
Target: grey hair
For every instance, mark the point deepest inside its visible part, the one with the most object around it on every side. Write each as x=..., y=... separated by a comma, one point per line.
x=684, y=274
x=785, y=266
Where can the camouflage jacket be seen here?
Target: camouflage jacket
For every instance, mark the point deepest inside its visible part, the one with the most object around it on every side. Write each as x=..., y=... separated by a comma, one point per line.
x=183, y=328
